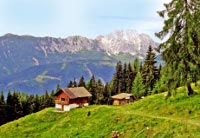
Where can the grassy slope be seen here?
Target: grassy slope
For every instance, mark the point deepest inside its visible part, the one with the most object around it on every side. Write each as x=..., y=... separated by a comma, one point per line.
x=152, y=116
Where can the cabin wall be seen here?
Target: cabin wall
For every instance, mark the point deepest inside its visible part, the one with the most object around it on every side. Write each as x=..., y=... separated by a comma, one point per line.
x=74, y=101
x=86, y=104
x=62, y=95
x=58, y=107
x=73, y=106
x=84, y=100
x=116, y=102
x=124, y=101
x=66, y=108
x=61, y=107
x=79, y=100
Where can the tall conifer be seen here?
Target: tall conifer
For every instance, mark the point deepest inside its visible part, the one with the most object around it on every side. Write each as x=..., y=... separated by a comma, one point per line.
x=138, y=88
x=124, y=78
x=2, y=109
x=117, y=80
x=181, y=50
x=92, y=89
x=149, y=70
x=81, y=82
x=131, y=76
x=99, y=92
x=70, y=84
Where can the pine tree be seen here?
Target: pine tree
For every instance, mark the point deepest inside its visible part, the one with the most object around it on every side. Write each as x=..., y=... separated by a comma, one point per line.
x=99, y=92
x=130, y=79
x=70, y=84
x=13, y=106
x=138, y=88
x=182, y=48
x=9, y=107
x=136, y=65
x=47, y=101
x=2, y=99
x=159, y=72
x=58, y=87
x=3, y=115
x=106, y=95
x=117, y=79
x=74, y=83
x=160, y=85
x=36, y=104
x=17, y=105
x=81, y=82
x=52, y=99
x=124, y=78
x=92, y=89
x=27, y=105
x=149, y=70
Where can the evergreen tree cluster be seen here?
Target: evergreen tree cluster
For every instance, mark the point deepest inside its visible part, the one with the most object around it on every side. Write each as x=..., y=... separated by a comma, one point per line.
x=123, y=78
x=18, y=104
x=137, y=78
x=75, y=84
x=100, y=92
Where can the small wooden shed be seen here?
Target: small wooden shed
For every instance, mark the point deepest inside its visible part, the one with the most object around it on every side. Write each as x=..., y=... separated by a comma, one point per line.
x=122, y=98
x=68, y=98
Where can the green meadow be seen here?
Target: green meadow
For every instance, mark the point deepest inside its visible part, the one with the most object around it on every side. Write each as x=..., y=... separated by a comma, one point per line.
x=153, y=116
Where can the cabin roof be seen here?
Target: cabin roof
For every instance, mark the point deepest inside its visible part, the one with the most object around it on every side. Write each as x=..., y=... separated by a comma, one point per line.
x=122, y=96
x=76, y=92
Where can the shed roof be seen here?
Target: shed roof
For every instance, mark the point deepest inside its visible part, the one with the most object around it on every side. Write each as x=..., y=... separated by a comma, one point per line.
x=76, y=92
x=122, y=96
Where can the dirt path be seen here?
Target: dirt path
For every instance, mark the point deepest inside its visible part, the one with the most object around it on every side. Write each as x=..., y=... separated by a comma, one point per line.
x=179, y=120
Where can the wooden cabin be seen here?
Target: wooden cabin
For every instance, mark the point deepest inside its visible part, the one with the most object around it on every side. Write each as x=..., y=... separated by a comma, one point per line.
x=69, y=98
x=122, y=98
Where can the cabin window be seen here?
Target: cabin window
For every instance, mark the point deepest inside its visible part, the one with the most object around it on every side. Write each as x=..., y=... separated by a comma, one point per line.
x=62, y=99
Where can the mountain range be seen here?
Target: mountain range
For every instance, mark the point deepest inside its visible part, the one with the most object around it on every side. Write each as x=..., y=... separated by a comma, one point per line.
x=35, y=64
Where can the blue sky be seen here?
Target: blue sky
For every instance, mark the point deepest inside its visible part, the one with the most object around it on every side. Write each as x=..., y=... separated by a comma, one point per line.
x=90, y=18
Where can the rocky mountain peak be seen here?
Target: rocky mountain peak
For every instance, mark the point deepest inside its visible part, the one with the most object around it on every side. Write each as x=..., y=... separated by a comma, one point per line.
x=120, y=41
x=126, y=41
